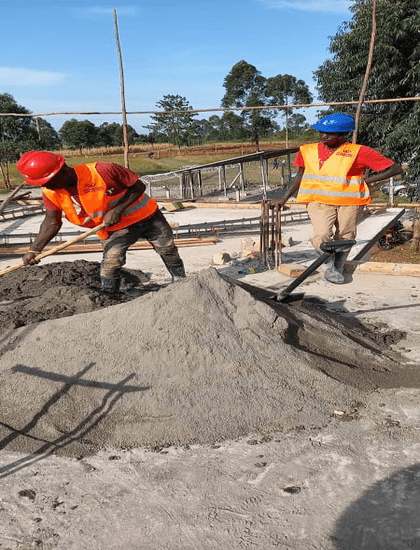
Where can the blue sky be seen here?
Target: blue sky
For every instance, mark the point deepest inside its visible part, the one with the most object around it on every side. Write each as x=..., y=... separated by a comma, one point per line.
x=62, y=56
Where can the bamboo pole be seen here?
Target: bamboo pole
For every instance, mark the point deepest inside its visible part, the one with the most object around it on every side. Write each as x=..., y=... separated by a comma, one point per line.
x=216, y=109
x=97, y=247
x=124, y=112
x=367, y=73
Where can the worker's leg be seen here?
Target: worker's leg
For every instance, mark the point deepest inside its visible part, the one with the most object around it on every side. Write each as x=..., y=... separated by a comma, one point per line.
x=324, y=221
x=346, y=228
x=114, y=257
x=347, y=222
x=323, y=218
x=159, y=234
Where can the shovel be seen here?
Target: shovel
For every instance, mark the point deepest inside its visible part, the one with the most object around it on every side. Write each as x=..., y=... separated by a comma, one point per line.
x=329, y=248
x=56, y=248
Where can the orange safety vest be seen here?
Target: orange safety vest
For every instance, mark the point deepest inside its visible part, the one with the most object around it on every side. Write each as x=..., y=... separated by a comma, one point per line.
x=330, y=183
x=95, y=203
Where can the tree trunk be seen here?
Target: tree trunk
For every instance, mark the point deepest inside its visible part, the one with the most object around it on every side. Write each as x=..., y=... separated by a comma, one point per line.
x=5, y=176
x=415, y=245
x=367, y=73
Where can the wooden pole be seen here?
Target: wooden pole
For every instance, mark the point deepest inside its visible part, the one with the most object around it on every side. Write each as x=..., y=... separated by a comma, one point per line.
x=57, y=248
x=124, y=112
x=367, y=73
x=242, y=177
x=10, y=197
x=415, y=245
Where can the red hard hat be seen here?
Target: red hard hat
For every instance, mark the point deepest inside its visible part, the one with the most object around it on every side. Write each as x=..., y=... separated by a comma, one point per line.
x=38, y=167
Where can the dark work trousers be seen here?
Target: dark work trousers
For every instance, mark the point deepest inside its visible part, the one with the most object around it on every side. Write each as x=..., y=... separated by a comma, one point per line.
x=157, y=231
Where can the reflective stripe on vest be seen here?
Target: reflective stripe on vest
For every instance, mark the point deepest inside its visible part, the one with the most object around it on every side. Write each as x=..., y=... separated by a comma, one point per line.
x=95, y=203
x=329, y=183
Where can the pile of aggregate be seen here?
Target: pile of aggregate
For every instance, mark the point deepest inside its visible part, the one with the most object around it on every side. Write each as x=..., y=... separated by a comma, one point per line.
x=200, y=361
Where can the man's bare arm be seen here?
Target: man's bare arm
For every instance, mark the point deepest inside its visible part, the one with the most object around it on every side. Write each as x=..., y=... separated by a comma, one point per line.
x=393, y=170
x=292, y=189
x=49, y=228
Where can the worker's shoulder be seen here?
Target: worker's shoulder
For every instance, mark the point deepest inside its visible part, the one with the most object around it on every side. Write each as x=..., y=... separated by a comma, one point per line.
x=310, y=145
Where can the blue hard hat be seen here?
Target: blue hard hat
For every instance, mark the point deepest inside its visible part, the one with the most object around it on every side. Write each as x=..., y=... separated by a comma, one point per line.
x=339, y=122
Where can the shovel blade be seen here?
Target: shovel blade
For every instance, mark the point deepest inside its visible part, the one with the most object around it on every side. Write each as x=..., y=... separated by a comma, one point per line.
x=286, y=298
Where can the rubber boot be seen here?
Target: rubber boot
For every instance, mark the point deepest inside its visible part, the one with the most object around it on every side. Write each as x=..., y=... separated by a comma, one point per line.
x=340, y=260
x=110, y=286
x=177, y=271
x=331, y=274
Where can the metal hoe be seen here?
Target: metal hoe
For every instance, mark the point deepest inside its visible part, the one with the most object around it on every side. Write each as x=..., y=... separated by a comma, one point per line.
x=329, y=248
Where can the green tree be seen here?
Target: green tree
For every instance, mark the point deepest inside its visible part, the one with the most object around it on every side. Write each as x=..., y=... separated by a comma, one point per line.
x=16, y=135
x=246, y=87
x=394, y=128
x=228, y=127
x=46, y=136
x=233, y=127
x=77, y=134
x=285, y=89
x=111, y=134
x=297, y=123
x=175, y=125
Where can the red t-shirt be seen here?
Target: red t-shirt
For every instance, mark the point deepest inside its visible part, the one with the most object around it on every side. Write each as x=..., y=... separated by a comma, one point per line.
x=366, y=158
x=116, y=177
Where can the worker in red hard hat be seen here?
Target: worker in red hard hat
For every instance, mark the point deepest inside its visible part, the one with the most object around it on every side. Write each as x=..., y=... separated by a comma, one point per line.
x=95, y=193
x=334, y=179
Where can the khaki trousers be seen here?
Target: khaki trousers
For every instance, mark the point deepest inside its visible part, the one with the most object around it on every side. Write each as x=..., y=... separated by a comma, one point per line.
x=332, y=222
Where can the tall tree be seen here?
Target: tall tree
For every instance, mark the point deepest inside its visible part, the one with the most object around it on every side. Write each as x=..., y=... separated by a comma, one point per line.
x=175, y=125
x=47, y=136
x=77, y=134
x=111, y=134
x=285, y=89
x=394, y=128
x=16, y=134
x=297, y=123
x=246, y=87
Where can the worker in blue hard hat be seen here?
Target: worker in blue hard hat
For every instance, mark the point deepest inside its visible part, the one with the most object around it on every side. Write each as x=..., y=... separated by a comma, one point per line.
x=334, y=180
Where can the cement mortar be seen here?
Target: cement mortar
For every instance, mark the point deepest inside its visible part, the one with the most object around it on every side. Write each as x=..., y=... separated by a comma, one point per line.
x=201, y=361
x=40, y=293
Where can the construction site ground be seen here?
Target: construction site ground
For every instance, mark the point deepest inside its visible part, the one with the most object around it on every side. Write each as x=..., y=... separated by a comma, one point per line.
x=335, y=467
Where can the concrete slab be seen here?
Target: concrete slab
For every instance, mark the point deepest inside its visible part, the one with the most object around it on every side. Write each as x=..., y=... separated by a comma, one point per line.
x=352, y=484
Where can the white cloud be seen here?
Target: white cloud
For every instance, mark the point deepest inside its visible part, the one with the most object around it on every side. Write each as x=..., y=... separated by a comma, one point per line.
x=336, y=6
x=19, y=76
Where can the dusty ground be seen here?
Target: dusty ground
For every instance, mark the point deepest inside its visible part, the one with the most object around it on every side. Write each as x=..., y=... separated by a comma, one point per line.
x=311, y=440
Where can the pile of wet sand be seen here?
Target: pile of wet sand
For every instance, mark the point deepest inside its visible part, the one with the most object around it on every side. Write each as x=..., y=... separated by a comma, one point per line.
x=200, y=361
x=39, y=293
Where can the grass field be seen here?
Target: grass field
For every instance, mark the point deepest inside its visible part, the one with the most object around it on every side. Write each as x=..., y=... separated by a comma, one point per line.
x=165, y=158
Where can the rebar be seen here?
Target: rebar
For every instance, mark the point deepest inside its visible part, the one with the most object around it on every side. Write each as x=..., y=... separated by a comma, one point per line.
x=270, y=234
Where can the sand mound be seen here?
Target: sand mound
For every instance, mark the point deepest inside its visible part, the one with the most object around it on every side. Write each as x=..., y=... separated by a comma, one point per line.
x=200, y=361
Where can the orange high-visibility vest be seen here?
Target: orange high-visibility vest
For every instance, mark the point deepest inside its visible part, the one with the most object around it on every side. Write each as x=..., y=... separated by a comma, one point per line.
x=330, y=183
x=95, y=203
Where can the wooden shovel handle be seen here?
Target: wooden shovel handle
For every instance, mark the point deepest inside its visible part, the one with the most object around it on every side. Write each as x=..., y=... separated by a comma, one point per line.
x=56, y=248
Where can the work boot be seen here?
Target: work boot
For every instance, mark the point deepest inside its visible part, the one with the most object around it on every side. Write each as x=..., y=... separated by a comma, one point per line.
x=177, y=271
x=110, y=286
x=324, y=266
x=340, y=260
x=331, y=274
